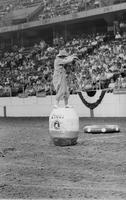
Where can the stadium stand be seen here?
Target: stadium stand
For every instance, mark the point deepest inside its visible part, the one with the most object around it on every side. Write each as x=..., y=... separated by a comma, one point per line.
x=101, y=65
x=28, y=71
x=47, y=8
x=62, y=7
x=9, y=7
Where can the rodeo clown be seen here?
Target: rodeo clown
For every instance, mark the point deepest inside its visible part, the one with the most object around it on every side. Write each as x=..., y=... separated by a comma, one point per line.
x=59, y=77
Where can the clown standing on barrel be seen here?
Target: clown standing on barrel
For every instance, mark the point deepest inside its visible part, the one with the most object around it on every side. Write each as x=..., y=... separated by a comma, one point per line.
x=59, y=76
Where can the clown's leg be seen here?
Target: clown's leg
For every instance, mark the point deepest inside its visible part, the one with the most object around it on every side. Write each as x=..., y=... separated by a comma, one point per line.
x=66, y=102
x=56, y=104
x=57, y=100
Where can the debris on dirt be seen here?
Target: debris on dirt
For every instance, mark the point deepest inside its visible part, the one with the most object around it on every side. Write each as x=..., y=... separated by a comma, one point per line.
x=9, y=149
x=1, y=154
x=2, y=186
x=5, y=151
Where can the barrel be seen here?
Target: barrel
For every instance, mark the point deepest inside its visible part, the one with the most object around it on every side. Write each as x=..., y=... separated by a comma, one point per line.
x=64, y=126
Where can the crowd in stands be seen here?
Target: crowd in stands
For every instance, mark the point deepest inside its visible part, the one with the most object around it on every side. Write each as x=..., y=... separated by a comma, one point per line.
x=28, y=3
x=101, y=65
x=6, y=6
x=53, y=8
x=63, y=7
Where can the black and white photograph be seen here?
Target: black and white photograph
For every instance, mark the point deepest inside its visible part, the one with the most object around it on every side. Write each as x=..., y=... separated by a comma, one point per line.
x=62, y=99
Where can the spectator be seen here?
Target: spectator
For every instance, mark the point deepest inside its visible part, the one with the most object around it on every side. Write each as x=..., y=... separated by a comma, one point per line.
x=120, y=81
x=111, y=85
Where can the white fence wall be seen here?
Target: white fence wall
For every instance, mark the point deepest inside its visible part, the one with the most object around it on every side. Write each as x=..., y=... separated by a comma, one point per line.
x=111, y=106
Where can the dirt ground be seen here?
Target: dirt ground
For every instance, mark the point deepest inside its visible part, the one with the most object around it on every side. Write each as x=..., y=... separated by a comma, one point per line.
x=32, y=167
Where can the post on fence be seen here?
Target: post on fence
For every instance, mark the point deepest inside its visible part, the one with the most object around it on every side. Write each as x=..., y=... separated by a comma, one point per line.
x=5, y=111
x=91, y=113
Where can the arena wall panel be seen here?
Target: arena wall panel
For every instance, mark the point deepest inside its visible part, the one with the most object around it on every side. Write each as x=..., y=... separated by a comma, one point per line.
x=1, y=111
x=23, y=13
x=111, y=106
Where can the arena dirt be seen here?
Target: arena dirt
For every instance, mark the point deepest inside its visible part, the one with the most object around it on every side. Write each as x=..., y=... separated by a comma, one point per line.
x=31, y=166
